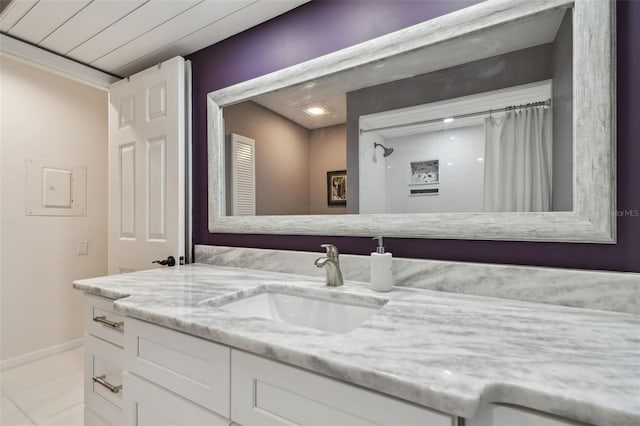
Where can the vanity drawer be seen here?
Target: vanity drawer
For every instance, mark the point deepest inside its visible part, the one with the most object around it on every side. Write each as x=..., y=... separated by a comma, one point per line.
x=103, y=379
x=267, y=393
x=102, y=321
x=150, y=405
x=191, y=367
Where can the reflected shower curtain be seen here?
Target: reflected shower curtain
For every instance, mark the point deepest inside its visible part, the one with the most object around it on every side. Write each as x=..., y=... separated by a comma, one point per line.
x=518, y=163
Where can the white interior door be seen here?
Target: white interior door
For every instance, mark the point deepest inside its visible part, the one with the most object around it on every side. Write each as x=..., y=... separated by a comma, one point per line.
x=147, y=168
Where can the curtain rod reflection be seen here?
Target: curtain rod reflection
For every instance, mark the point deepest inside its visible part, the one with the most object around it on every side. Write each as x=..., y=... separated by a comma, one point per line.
x=546, y=103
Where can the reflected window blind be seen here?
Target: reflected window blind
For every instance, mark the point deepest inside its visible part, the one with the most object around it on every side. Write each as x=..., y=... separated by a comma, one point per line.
x=243, y=176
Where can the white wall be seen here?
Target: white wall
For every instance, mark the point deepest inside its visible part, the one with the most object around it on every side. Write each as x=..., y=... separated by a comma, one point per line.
x=48, y=116
x=461, y=173
x=372, y=175
x=460, y=152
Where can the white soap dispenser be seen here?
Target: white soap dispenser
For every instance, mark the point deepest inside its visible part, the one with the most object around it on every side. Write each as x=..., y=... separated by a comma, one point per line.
x=381, y=275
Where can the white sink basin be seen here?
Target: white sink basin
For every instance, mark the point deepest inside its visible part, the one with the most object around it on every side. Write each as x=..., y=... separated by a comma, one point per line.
x=335, y=316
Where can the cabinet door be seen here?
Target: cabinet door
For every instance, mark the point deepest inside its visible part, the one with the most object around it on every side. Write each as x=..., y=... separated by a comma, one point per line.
x=503, y=415
x=189, y=366
x=92, y=419
x=267, y=393
x=147, y=404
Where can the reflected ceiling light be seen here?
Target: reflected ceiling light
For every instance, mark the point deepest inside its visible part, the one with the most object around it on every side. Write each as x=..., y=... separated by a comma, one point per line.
x=480, y=159
x=448, y=120
x=449, y=164
x=316, y=110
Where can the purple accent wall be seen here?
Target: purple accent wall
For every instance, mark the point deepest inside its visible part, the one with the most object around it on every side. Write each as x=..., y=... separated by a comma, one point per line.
x=321, y=27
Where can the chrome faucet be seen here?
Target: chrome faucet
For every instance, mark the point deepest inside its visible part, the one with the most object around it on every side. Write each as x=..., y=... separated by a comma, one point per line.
x=331, y=264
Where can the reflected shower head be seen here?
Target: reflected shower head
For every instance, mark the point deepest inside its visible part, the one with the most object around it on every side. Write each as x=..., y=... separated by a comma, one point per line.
x=387, y=151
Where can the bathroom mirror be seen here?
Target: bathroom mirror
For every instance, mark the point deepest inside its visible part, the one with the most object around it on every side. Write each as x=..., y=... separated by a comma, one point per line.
x=417, y=118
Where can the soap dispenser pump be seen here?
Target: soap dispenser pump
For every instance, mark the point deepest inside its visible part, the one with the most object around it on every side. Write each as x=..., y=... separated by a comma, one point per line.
x=381, y=275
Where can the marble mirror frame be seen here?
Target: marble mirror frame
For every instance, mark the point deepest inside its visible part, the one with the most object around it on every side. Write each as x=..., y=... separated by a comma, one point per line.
x=593, y=218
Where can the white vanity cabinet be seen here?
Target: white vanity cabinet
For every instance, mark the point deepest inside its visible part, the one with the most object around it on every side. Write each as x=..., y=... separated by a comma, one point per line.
x=103, y=362
x=176, y=379
x=138, y=373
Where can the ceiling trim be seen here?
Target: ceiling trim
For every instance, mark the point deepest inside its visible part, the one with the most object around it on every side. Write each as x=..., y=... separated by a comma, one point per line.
x=55, y=63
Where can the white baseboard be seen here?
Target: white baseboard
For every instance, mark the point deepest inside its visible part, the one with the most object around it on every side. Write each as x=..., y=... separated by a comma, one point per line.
x=41, y=353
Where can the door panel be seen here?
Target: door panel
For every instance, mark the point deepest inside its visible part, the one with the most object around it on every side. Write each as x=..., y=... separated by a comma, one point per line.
x=156, y=189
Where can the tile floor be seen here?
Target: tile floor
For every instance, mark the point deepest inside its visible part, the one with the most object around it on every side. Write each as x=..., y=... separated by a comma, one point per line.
x=48, y=392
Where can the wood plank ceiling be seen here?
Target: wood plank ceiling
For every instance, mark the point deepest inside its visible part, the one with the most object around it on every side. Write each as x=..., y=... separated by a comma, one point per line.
x=122, y=37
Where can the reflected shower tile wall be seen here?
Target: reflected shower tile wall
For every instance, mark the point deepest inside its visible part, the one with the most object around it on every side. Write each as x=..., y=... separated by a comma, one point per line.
x=609, y=291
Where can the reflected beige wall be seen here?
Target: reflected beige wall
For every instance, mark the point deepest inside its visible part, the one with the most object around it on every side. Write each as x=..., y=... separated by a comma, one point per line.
x=328, y=147
x=282, y=157
x=291, y=161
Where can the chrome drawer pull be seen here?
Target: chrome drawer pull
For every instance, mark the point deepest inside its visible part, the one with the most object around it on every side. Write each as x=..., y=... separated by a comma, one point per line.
x=103, y=320
x=101, y=380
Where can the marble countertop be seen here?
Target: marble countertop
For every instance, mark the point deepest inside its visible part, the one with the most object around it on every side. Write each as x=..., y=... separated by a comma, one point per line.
x=452, y=352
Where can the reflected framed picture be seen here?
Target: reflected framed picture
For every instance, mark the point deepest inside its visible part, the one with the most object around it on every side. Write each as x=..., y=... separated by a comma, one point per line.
x=425, y=172
x=337, y=188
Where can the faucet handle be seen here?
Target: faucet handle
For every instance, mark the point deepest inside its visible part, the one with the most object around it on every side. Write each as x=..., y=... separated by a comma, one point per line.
x=332, y=251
